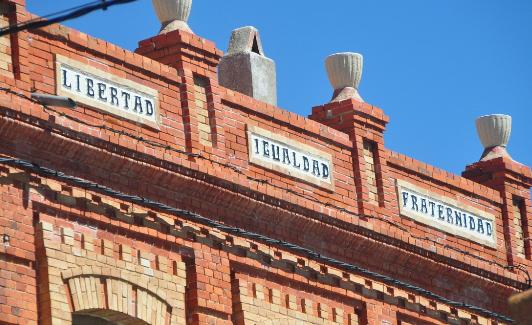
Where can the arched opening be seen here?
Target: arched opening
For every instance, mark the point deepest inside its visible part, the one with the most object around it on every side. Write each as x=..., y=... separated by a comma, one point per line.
x=104, y=317
x=114, y=300
x=89, y=320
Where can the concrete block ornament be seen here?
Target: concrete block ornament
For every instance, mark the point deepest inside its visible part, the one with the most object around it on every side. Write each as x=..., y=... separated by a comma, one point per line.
x=494, y=131
x=345, y=72
x=173, y=14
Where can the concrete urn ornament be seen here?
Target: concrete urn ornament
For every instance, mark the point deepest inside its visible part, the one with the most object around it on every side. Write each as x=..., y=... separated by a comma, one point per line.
x=173, y=14
x=345, y=72
x=494, y=132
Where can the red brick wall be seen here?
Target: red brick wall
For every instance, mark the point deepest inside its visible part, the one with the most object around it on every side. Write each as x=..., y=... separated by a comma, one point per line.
x=198, y=161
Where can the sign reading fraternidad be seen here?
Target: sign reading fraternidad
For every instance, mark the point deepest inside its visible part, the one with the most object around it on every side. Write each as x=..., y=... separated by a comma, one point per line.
x=109, y=93
x=446, y=214
x=290, y=157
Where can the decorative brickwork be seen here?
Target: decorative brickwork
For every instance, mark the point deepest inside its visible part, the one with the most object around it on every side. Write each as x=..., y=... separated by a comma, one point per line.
x=258, y=304
x=202, y=112
x=87, y=276
x=371, y=174
x=6, y=64
x=519, y=226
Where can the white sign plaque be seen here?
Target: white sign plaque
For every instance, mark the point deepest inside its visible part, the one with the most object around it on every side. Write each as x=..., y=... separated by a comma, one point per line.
x=446, y=214
x=106, y=92
x=290, y=157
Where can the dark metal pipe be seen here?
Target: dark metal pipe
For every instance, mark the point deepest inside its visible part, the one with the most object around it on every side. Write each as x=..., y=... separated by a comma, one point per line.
x=52, y=100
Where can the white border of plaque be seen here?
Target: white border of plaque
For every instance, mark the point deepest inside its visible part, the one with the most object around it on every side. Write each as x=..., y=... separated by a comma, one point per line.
x=289, y=157
x=446, y=214
x=106, y=92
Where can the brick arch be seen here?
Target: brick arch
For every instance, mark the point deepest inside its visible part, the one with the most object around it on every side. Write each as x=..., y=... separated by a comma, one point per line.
x=94, y=293
x=78, y=278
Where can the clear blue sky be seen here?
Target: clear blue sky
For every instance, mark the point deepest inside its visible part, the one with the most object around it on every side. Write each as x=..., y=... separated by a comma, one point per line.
x=432, y=65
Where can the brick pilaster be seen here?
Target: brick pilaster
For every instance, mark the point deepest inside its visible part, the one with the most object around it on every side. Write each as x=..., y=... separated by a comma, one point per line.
x=19, y=76
x=365, y=125
x=195, y=59
x=513, y=180
x=208, y=296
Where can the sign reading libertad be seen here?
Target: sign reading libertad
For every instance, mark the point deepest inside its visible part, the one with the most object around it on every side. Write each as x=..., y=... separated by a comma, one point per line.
x=290, y=157
x=107, y=92
x=446, y=214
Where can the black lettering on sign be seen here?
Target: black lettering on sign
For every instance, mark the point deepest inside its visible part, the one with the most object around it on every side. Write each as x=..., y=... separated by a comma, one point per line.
x=306, y=164
x=149, y=108
x=480, y=227
x=114, y=97
x=432, y=206
x=405, y=199
x=316, y=168
x=104, y=91
x=127, y=98
x=296, y=163
x=138, y=104
x=458, y=218
x=101, y=91
x=286, y=156
x=325, y=171
x=274, y=153
x=66, y=84
x=424, y=206
x=415, y=207
x=266, y=148
x=440, y=212
x=450, y=216
x=90, y=87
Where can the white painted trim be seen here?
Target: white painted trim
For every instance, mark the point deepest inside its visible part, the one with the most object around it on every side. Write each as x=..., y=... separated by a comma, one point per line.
x=296, y=146
x=99, y=105
x=444, y=226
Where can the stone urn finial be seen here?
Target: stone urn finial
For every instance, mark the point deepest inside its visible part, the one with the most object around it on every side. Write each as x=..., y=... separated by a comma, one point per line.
x=494, y=132
x=173, y=14
x=345, y=71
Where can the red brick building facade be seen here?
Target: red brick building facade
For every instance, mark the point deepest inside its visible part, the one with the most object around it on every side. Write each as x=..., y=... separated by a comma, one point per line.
x=163, y=215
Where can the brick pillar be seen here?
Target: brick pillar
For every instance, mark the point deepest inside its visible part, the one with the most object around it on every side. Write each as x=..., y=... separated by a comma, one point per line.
x=208, y=295
x=13, y=71
x=196, y=61
x=513, y=180
x=365, y=125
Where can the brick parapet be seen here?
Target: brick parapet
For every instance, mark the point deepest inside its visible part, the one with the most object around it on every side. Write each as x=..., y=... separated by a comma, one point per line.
x=283, y=117
x=183, y=50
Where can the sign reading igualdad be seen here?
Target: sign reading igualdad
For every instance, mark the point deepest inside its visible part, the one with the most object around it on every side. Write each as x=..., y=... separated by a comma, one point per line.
x=106, y=92
x=289, y=157
x=446, y=214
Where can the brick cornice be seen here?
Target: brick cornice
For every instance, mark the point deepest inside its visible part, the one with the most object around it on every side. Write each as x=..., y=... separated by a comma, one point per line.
x=352, y=232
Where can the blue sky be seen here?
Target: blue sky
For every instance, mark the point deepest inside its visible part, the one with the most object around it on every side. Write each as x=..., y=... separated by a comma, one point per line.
x=433, y=66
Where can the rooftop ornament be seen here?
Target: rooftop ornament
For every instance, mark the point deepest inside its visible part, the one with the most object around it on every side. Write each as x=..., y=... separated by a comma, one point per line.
x=173, y=14
x=345, y=71
x=494, y=132
x=246, y=69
